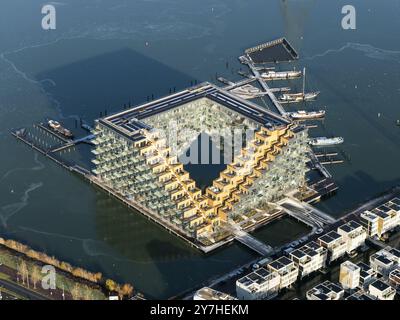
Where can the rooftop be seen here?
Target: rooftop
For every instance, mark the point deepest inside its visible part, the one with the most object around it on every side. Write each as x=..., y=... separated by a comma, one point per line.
x=130, y=122
x=360, y=295
x=380, y=285
x=326, y=291
x=256, y=278
x=350, y=265
x=211, y=294
x=350, y=226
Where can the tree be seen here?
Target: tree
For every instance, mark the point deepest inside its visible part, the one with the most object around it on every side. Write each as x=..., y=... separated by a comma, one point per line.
x=127, y=290
x=111, y=285
x=87, y=293
x=35, y=276
x=119, y=291
x=23, y=270
x=76, y=292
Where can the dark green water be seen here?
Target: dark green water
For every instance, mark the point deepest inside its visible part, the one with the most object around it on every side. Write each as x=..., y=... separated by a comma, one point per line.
x=97, y=59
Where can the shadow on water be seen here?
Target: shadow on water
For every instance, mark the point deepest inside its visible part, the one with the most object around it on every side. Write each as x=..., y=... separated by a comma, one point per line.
x=110, y=80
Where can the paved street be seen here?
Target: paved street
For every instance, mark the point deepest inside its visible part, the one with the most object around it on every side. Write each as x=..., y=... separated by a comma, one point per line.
x=21, y=291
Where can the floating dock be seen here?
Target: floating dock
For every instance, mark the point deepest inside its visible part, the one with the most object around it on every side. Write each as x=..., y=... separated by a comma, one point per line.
x=275, y=51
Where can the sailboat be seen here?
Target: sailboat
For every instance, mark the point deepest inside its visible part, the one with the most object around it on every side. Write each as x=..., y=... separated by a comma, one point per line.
x=299, y=97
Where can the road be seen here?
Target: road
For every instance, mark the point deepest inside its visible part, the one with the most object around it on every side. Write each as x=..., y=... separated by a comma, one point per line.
x=21, y=291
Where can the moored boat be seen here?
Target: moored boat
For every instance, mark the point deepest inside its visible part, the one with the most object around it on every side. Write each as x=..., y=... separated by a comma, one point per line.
x=324, y=141
x=305, y=115
x=57, y=127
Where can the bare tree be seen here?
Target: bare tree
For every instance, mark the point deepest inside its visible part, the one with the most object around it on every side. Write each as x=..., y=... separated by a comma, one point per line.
x=87, y=294
x=35, y=276
x=76, y=292
x=127, y=290
x=23, y=270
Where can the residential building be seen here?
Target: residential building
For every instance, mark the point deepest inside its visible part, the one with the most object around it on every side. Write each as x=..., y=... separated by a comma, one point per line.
x=325, y=291
x=259, y=284
x=334, y=243
x=370, y=222
x=137, y=151
x=361, y=295
x=381, y=290
x=286, y=269
x=383, y=218
x=309, y=258
x=385, y=260
x=394, y=278
x=349, y=276
x=367, y=274
x=354, y=235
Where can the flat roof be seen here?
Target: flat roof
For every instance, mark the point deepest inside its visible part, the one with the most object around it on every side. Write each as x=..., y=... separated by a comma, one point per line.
x=383, y=259
x=325, y=289
x=351, y=265
x=330, y=237
x=346, y=228
x=396, y=201
x=258, y=276
x=380, y=285
x=360, y=296
x=394, y=252
x=364, y=267
x=298, y=253
x=131, y=121
x=313, y=245
x=285, y=261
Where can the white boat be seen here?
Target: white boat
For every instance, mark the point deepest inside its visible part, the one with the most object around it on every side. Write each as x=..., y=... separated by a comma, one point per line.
x=301, y=96
x=248, y=92
x=281, y=75
x=304, y=115
x=298, y=97
x=324, y=141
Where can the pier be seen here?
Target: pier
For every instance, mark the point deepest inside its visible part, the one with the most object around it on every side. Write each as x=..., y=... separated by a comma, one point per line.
x=317, y=165
x=267, y=89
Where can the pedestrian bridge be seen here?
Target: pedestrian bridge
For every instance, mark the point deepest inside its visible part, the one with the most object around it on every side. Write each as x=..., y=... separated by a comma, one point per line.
x=251, y=242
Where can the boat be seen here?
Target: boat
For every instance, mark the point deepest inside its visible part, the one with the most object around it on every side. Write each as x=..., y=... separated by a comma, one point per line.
x=301, y=96
x=304, y=115
x=324, y=141
x=57, y=127
x=280, y=75
x=298, y=97
x=248, y=92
